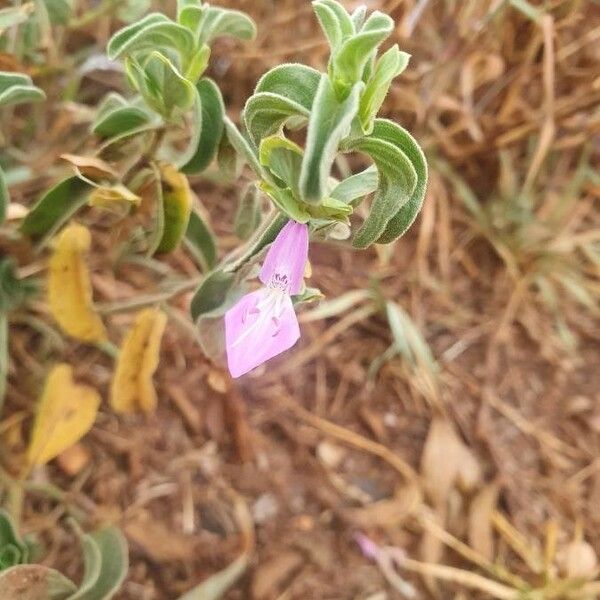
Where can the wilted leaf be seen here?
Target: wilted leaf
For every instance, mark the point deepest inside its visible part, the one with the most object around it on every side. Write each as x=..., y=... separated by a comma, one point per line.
x=115, y=198
x=177, y=206
x=65, y=413
x=481, y=536
x=70, y=288
x=92, y=167
x=132, y=387
x=34, y=582
x=445, y=460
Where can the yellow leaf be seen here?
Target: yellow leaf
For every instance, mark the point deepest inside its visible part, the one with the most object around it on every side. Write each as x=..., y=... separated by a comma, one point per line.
x=132, y=386
x=69, y=286
x=65, y=413
x=115, y=198
x=177, y=206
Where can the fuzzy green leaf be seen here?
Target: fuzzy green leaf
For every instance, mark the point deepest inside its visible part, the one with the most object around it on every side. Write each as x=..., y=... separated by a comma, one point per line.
x=16, y=88
x=397, y=181
x=242, y=146
x=293, y=81
x=154, y=32
x=212, y=293
x=286, y=202
x=200, y=241
x=283, y=158
x=55, y=208
x=213, y=111
x=389, y=66
x=349, y=62
x=116, y=116
x=406, y=214
x=163, y=88
x=248, y=215
x=330, y=122
x=354, y=188
x=106, y=564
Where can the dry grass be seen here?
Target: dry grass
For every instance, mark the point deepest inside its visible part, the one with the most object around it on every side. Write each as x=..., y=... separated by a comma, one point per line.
x=501, y=277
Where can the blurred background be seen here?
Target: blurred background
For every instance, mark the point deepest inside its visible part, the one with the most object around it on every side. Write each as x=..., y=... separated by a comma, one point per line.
x=458, y=422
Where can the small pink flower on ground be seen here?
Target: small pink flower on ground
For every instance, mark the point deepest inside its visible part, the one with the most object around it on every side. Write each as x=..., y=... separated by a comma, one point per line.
x=263, y=323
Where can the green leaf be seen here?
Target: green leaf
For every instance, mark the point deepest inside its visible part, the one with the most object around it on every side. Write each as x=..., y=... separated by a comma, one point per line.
x=116, y=116
x=354, y=188
x=34, y=582
x=154, y=32
x=405, y=216
x=104, y=582
x=330, y=122
x=55, y=208
x=216, y=586
x=266, y=113
x=59, y=11
x=397, y=181
x=286, y=202
x=16, y=88
x=293, y=81
x=283, y=158
x=242, y=146
x=329, y=24
x=331, y=209
x=334, y=20
x=358, y=17
x=248, y=215
x=389, y=66
x=14, y=291
x=200, y=241
x=230, y=163
x=216, y=22
x=349, y=62
x=211, y=293
x=13, y=551
x=14, y=15
x=4, y=197
x=213, y=111
x=163, y=88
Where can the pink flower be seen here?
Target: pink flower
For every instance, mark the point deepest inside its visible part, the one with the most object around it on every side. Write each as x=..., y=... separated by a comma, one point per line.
x=263, y=323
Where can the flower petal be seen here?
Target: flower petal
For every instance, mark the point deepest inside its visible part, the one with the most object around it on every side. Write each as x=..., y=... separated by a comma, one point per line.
x=286, y=259
x=260, y=326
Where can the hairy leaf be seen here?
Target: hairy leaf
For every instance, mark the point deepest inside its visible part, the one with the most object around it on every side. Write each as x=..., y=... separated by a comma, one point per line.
x=330, y=122
x=354, y=188
x=154, y=32
x=389, y=66
x=405, y=216
x=16, y=88
x=55, y=208
x=200, y=241
x=213, y=111
x=248, y=215
x=397, y=181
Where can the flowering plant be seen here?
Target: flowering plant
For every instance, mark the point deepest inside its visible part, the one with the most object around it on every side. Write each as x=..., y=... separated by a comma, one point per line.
x=338, y=110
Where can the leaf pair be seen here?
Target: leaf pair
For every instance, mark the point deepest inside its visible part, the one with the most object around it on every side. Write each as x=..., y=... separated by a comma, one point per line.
x=17, y=88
